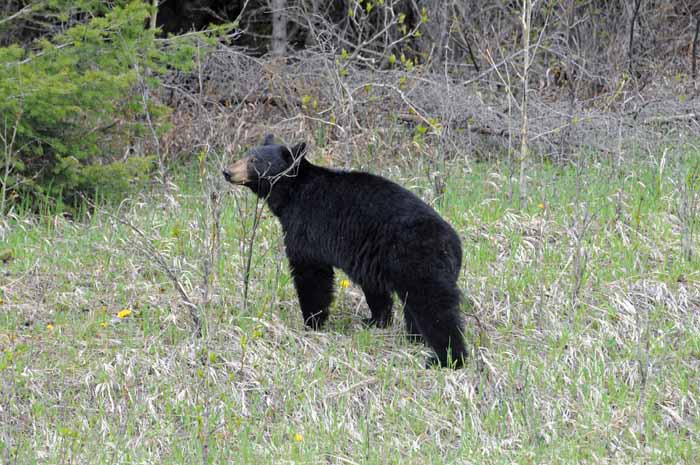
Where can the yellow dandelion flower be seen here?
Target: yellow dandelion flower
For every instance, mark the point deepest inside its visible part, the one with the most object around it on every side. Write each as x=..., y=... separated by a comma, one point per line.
x=345, y=283
x=49, y=326
x=298, y=437
x=104, y=324
x=124, y=313
x=540, y=206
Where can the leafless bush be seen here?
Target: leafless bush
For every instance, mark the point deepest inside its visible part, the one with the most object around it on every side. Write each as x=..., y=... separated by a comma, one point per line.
x=443, y=73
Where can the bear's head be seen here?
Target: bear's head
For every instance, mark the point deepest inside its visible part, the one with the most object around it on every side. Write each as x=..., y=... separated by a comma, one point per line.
x=265, y=165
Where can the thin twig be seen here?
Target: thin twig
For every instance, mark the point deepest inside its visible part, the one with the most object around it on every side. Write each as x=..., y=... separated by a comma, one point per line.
x=695, y=48
x=26, y=10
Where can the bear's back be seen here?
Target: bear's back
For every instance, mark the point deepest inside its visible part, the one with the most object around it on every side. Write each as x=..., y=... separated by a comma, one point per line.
x=350, y=219
x=371, y=196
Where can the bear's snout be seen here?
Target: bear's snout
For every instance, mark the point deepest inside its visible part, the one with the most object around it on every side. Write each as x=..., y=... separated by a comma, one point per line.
x=237, y=173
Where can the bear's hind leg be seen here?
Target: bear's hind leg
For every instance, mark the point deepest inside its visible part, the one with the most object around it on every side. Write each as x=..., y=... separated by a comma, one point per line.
x=314, y=285
x=380, y=305
x=436, y=315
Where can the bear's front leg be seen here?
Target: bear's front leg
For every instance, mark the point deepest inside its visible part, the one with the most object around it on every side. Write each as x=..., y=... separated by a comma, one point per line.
x=314, y=285
x=379, y=304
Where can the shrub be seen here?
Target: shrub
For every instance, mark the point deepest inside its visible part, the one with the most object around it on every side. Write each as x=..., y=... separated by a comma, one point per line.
x=72, y=105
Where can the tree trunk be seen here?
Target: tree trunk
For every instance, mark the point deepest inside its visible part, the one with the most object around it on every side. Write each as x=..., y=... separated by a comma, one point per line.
x=635, y=12
x=279, y=27
x=526, y=24
x=313, y=21
x=154, y=13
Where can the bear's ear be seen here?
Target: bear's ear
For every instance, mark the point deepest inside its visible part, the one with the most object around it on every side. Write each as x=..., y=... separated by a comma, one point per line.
x=299, y=150
x=269, y=139
x=294, y=153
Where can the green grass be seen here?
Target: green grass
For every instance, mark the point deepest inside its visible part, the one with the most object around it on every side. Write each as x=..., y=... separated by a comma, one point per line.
x=594, y=359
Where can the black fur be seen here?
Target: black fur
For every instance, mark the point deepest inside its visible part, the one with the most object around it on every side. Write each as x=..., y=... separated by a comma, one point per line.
x=381, y=235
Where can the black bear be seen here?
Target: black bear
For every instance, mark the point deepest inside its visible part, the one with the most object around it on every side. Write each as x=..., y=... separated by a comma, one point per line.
x=381, y=235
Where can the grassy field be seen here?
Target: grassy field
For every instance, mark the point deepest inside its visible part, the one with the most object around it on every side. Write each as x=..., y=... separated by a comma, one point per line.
x=584, y=322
